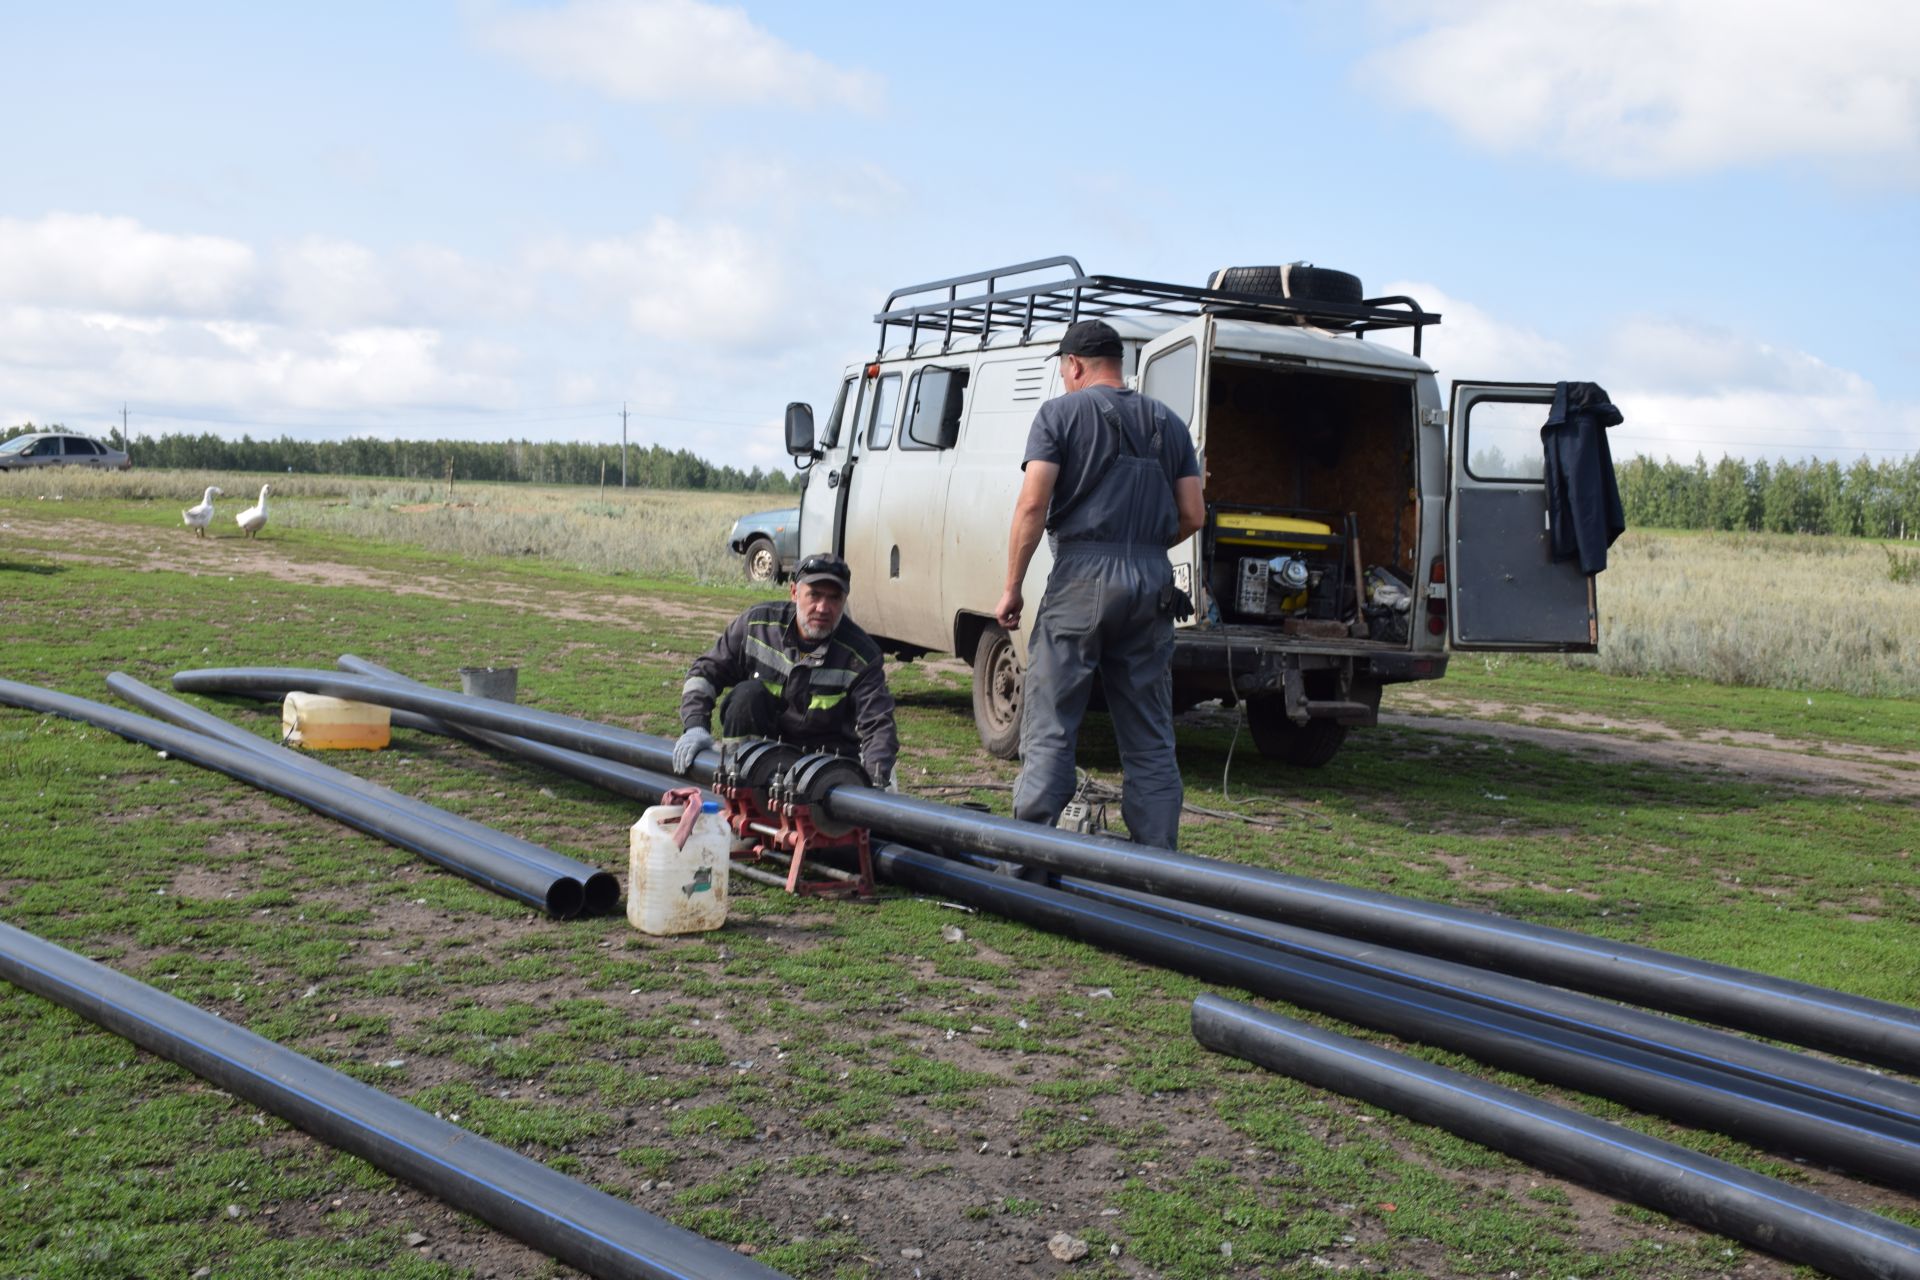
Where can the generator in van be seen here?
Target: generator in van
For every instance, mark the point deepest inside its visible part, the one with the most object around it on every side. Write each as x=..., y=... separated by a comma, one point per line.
x=1357, y=531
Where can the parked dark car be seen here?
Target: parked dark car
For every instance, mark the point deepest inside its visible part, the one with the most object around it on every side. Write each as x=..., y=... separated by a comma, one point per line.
x=769, y=541
x=59, y=448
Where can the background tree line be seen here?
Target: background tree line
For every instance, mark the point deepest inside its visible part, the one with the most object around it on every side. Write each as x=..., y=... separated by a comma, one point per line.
x=538, y=462
x=1861, y=500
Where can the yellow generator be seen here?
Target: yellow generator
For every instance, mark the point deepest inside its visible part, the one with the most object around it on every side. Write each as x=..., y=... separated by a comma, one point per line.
x=1265, y=564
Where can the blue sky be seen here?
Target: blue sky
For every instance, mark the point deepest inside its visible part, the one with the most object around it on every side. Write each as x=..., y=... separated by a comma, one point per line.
x=501, y=220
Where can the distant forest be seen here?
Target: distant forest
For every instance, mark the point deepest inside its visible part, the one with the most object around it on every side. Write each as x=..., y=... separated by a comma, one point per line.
x=1862, y=500
x=535, y=462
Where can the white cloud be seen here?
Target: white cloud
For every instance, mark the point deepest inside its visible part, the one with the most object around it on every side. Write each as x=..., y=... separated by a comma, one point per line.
x=326, y=329
x=1664, y=355
x=327, y=282
x=1684, y=390
x=1689, y=391
x=716, y=284
x=568, y=144
x=1646, y=87
x=1469, y=343
x=681, y=51
x=65, y=359
x=86, y=260
x=758, y=180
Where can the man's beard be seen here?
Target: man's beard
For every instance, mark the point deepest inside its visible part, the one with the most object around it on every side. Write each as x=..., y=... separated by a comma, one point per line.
x=810, y=634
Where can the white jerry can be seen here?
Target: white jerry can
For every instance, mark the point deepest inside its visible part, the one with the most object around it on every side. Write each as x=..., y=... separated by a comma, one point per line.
x=676, y=889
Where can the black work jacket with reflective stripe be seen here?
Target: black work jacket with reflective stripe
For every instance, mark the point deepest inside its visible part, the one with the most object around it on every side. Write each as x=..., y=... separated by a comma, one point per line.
x=832, y=695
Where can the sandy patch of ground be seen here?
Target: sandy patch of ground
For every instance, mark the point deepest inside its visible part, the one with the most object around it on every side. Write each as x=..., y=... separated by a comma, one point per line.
x=1826, y=767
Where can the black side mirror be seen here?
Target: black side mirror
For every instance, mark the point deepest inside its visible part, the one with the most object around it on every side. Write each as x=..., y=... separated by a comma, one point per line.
x=800, y=430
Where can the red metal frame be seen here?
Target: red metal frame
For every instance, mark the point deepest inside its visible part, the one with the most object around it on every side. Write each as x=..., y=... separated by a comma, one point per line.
x=795, y=837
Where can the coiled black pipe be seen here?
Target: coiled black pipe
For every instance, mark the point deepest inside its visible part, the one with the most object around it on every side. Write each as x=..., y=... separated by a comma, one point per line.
x=1765, y=1116
x=566, y=1219
x=558, y=896
x=1870, y=1092
x=599, y=890
x=1871, y=1030
x=1723, y=1198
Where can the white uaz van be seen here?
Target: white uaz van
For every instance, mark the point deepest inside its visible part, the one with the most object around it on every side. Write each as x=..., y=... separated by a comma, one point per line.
x=1346, y=547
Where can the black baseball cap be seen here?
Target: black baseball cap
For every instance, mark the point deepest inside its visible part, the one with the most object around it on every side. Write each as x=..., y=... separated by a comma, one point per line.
x=825, y=567
x=1089, y=338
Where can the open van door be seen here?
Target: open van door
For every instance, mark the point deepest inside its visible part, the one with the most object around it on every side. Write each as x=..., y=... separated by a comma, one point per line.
x=1174, y=371
x=1507, y=592
x=822, y=497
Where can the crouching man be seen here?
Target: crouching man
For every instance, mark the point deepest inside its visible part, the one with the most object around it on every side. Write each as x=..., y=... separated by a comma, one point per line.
x=801, y=672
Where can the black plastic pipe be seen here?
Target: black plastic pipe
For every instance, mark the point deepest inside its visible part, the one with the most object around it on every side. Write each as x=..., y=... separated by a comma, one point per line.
x=558, y=896
x=1875, y=1094
x=563, y=1218
x=1871, y=1030
x=1722, y=1198
x=1764, y=1116
x=600, y=891
x=644, y=785
x=1872, y=1093
x=624, y=745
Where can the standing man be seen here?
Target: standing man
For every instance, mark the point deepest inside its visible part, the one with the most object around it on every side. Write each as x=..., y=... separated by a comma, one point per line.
x=1112, y=477
x=800, y=671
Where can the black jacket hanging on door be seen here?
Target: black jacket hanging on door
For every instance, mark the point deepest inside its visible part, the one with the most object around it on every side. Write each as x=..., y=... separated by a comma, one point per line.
x=1584, y=514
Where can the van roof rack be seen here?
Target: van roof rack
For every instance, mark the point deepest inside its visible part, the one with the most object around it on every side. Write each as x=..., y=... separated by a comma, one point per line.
x=984, y=302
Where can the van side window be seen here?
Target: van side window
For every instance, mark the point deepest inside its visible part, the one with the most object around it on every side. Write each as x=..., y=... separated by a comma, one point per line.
x=885, y=401
x=1503, y=440
x=935, y=399
x=830, y=433
x=1170, y=376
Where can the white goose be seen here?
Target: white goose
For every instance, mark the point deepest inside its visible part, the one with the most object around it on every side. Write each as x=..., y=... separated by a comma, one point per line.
x=254, y=518
x=200, y=515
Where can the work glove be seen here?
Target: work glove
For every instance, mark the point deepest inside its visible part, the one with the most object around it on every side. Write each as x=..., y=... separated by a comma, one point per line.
x=1182, y=605
x=691, y=744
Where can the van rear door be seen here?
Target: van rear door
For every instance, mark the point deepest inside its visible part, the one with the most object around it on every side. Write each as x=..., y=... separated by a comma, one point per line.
x=1507, y=592
x=1174, y=370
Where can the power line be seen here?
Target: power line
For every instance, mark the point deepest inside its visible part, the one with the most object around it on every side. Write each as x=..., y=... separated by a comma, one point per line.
x=350, y=428
x=1696, y=444
x=1638, y=421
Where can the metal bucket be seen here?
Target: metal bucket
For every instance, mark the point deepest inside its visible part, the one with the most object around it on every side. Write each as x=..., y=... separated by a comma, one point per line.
x=498, y=683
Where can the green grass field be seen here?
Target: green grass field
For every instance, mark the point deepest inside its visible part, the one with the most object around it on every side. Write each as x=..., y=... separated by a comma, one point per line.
x=832, y=1086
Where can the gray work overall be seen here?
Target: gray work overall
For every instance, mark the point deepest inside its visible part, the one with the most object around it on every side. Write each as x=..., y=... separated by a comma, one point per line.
x=1108, y=609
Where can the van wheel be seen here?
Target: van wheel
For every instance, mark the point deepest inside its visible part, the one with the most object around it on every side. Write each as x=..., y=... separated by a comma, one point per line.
x=996, y=693
x=1306, y=746
x=762, y=561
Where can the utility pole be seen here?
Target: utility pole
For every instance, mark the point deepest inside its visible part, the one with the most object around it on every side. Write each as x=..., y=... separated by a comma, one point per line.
x=123, y=425
x=623, y=444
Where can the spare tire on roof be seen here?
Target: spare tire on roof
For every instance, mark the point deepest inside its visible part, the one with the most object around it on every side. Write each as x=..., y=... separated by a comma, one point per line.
x=1294, y=281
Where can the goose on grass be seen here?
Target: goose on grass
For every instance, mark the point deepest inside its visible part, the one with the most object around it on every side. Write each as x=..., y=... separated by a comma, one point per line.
x=254, y=518
x=200, y=515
